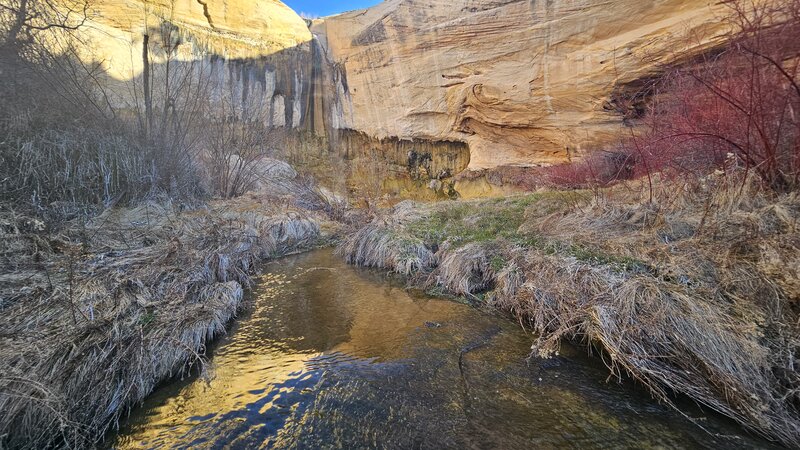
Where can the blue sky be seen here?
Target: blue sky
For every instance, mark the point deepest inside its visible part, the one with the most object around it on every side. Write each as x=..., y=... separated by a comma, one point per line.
x=323, y=8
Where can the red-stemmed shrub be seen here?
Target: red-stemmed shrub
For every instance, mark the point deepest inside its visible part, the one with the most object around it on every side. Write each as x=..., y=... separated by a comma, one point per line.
x=737, y=106
x=599, y=169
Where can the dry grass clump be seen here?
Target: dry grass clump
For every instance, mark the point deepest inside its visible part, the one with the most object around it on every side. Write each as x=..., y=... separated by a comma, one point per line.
x=714, y=316
x=465, y=270
x=383, y=244
x=695, y=293
x=95, y=316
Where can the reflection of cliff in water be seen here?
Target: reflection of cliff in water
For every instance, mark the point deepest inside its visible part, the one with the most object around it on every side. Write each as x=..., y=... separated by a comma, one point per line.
x=331, y=356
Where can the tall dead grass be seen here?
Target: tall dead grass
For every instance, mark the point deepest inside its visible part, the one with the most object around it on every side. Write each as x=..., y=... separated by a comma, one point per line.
x=94, y=317
x=383, y=244
x=695, y=293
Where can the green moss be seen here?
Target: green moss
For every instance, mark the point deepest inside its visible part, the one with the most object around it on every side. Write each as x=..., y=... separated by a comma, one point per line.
x=463, y=223
x=146, y=319
x=594, y=256
x=497, y=263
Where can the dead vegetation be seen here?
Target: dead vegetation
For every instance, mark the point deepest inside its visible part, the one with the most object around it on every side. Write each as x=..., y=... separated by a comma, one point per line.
x=694, y=294
x=95, y=315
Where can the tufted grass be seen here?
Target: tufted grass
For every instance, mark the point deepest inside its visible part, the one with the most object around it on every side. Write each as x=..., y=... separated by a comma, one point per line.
x=94, y=316
x=695, y=293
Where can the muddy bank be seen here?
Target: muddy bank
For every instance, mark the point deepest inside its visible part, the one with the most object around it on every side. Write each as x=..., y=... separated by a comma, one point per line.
x=681, y=297
x=95, y=315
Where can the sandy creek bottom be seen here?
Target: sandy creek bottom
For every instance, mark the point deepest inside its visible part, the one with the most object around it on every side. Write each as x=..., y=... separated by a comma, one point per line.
x=332, y=356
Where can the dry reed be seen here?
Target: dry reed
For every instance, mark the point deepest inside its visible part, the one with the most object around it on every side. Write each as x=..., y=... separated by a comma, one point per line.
x=95, y=316
x=695, y=294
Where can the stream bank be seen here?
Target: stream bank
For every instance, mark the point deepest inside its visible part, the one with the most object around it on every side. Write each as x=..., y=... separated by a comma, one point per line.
x=95, y=315
x=327, y=355
x=684, y=298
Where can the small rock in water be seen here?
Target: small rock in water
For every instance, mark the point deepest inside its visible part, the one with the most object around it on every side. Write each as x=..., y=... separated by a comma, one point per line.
x=433, y=324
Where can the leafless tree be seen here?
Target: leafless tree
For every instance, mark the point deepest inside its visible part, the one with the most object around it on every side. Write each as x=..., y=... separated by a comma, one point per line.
x=238, y=138
x=22, y=20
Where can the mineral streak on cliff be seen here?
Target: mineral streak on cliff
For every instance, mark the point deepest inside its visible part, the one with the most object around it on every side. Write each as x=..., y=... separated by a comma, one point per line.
x=257, y=52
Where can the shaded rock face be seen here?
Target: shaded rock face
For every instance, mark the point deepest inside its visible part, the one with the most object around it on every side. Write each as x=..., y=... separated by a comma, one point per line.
x=420, y=159
x=521, y=81
x=255, y=54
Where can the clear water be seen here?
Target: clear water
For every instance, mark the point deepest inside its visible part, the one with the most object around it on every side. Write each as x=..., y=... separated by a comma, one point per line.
x=330, y=356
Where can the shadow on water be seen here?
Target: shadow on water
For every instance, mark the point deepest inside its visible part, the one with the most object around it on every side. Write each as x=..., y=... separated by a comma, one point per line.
x=330, y=356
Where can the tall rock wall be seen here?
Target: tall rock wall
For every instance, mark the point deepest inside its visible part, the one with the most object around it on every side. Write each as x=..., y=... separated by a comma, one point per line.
x=230, y=29
x=257, y=53
x=521, y=81
x=518, y=82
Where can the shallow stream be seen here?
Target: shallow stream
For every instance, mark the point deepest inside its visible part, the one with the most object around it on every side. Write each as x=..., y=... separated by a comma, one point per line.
x=332, y=356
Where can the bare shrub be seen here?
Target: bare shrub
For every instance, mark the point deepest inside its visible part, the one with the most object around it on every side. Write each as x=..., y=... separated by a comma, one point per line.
x=598, y=169
x=64, y=140
x=741, y=100
x=238, y=141
x=79, y=166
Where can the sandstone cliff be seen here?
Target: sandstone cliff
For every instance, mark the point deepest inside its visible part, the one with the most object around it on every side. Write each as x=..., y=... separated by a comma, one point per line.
x=255, y=50
x=231, y=29
x=521, y=81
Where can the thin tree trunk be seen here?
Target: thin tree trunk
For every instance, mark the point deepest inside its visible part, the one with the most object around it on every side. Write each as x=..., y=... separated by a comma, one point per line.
x=16, y=27
x=148, y=101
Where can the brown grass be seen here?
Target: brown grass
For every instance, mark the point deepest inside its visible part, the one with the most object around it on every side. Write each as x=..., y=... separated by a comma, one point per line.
x=94, y=317
x=694, y=294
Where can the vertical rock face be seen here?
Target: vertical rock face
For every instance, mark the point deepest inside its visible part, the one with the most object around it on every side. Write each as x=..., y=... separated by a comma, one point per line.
x=420, y=158
x=230, y=29
x=495, y=82
x=257, y=53
x=520, y=81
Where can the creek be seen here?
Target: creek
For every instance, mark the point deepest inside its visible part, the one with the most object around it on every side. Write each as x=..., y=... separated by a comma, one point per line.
x=327, y=355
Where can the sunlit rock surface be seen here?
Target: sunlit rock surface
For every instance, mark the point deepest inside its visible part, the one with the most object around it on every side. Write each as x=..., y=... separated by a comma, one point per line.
x=254, y=53
x=517, y=82
x=522, y=82
x=232, y=29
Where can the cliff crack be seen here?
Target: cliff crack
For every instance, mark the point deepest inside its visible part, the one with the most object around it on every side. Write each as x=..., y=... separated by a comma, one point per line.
x=204, y=4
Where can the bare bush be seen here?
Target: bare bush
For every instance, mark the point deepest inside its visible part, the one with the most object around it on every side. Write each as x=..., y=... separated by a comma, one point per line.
x=741, y=100
x=238, y=141
x=63, y=138
x=598, y=169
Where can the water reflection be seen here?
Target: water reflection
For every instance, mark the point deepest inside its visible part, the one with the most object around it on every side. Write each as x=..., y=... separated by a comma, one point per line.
x=329, y=356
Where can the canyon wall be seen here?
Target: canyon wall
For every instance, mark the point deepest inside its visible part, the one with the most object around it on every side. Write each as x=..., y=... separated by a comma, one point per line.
x=257, y=53
x=521, y=81
x=229, y=29
x=482, y=83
